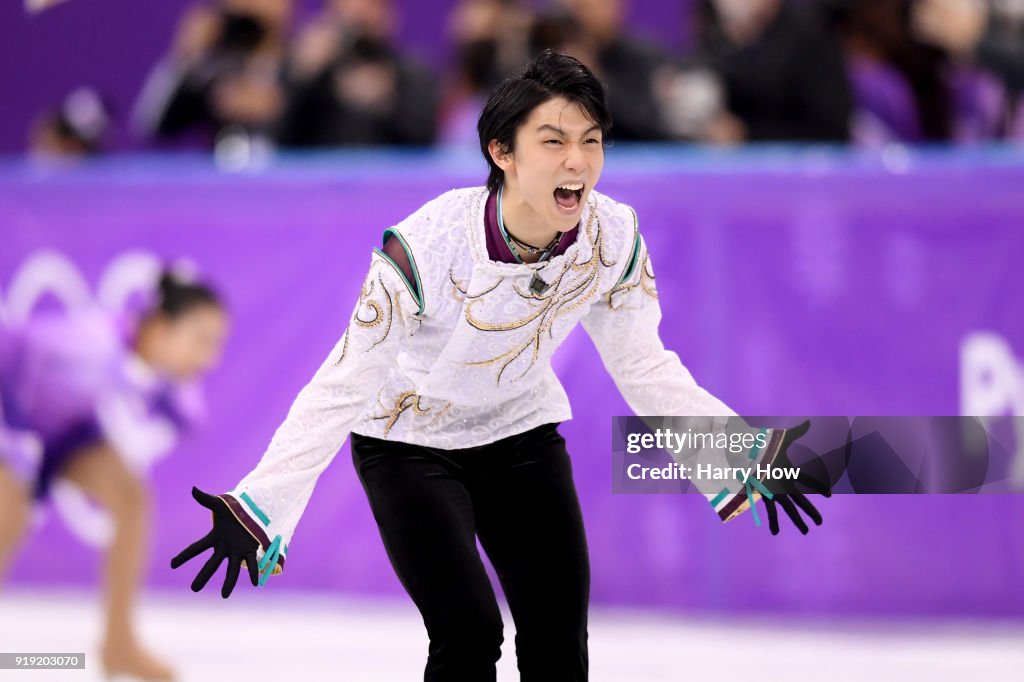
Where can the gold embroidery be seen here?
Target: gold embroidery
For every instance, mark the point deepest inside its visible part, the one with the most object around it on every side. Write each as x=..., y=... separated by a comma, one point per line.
x=398, y=307
x=402, y=403
x=344, y=348
x=364, y=300
x=457, y=286
x=390, y=314
x=447, y=406
x=503, y=326
x=647, y=279
x=646, y=282
x=486, y=291
x=381, y=315
x=550, y=307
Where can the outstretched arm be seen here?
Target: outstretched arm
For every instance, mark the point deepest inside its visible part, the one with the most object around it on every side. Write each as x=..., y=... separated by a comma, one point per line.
x=658, y=388
x=269, y=501
x=624, y=328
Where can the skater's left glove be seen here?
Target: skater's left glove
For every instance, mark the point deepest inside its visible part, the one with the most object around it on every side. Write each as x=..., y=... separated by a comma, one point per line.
x=786, y=491
x=228, y=539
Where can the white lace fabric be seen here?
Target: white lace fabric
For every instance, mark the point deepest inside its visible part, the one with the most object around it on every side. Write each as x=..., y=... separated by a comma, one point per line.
x=475, y=365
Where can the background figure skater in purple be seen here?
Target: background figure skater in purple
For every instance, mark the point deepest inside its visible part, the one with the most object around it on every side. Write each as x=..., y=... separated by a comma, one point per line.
x=90, y=400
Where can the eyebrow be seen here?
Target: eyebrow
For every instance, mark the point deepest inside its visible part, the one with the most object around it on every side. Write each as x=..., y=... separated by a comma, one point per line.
x=559, y=131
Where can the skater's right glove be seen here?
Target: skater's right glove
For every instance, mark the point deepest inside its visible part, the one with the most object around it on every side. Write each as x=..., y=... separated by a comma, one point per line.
x=787, y=493
x=229, y=540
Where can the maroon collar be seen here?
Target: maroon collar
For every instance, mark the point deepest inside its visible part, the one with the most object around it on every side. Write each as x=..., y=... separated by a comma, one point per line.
x=498, y=249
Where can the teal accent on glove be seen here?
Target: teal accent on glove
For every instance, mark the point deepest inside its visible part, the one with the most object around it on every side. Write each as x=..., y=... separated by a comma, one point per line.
x=269, y=560
x=719, y=497
x=255, y=510
x=750, y=495
x=753, y=507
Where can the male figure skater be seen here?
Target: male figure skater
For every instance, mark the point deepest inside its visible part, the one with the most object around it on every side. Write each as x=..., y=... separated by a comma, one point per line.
x=443, y=378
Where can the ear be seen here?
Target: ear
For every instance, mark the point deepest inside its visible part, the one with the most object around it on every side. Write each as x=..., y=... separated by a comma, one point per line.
x=501, y=155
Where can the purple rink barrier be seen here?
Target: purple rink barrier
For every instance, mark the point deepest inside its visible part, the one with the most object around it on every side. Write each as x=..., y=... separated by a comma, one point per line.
x=792, y=282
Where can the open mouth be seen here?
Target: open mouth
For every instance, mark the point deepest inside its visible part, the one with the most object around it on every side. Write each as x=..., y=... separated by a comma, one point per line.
x=568, y=195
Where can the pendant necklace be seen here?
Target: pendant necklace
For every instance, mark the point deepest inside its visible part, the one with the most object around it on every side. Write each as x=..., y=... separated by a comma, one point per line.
x=537, y=283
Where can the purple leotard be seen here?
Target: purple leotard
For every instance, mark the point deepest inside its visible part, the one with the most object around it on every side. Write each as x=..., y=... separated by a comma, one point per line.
x=70, y=380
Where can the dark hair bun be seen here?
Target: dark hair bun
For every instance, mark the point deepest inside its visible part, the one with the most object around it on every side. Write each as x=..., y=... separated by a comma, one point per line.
x=168, y=281
x=177, y=295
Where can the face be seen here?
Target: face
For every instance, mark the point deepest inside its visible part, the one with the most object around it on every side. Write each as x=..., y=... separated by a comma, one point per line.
x=599, y=18
x=375, y=17
x=745, y=16
x=190, y=344
x=556, y=162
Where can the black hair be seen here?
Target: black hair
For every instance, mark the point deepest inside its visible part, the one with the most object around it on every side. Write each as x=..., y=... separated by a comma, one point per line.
x=177, y=296
x=552, y=30
x=547, y=76
x=241, y=32
x=366, y=49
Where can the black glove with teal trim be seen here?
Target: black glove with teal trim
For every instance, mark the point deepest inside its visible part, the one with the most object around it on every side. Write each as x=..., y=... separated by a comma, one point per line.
x=786, y=492
x=228, y=539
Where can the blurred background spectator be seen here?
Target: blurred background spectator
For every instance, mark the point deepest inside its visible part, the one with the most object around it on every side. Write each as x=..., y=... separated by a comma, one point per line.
x=625, y=63
x=489, y=40
x=868, y=72
x=781, y=68
x=992, y=36
x=73, y=129
x=908, y=90
x=223, y=71
x=899, y=83
x=349, y=84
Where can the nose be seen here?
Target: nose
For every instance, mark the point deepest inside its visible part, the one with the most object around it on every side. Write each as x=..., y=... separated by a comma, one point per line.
x=575, y=159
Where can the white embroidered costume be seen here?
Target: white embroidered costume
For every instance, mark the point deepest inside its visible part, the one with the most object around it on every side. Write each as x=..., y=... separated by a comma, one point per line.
x=461, y=357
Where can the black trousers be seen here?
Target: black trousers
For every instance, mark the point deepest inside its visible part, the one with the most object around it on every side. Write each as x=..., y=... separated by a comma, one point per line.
x=517, y=496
